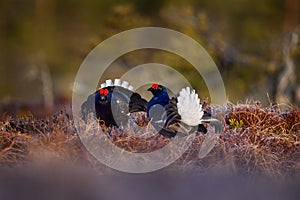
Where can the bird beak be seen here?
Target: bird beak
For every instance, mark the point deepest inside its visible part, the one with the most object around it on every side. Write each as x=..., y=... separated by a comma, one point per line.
x=149, y=89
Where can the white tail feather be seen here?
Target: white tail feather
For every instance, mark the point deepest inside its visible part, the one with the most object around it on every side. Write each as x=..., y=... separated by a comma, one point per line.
x=117, y=82
x=125, y=84
x=109, y=82
x=130, y=87
x=103, y=85
x=189, y=107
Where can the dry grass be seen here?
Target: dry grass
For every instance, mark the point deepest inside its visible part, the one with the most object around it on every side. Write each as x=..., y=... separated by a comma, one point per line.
x=268, y=140
x=256, y=141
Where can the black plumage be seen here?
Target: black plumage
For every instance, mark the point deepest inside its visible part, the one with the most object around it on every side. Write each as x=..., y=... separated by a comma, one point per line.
x=113, y=104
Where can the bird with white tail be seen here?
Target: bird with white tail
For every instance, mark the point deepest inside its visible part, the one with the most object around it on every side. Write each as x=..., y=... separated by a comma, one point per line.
x=182, y=115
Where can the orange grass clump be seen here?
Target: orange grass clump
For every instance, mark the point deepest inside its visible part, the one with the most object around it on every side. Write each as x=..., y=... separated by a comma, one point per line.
x=267, y=142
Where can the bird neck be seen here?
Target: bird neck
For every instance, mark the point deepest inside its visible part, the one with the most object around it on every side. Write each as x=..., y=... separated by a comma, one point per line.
x=161, y=99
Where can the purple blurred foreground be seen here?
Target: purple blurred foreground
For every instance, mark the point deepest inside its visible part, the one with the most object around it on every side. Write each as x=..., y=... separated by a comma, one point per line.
x=84, y=184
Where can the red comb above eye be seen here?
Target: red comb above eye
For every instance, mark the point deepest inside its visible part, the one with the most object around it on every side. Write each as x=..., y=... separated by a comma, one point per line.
x=154, y=86
x=105, y=92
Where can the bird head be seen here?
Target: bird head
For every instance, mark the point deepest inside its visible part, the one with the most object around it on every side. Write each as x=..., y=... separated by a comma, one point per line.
x=103, y=95
x=157, y=89
x=160, y=98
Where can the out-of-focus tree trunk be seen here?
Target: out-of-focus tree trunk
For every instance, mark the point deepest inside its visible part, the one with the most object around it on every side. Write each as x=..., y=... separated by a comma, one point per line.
x=285, y=87
x=44, y=15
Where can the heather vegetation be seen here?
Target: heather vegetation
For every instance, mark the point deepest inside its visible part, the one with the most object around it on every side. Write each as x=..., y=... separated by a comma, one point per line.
x=256, y=142
x=255, y=45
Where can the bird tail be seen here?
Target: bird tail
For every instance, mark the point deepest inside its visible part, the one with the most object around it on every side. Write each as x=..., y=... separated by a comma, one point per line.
x=189, y=107
x=117, y=82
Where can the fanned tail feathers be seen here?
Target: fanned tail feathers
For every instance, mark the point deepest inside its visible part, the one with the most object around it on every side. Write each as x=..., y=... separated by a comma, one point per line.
x=137, y=103
x=117, y=82
x=189, y=107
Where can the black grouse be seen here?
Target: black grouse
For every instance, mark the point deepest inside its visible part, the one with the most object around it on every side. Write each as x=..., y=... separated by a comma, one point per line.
x=182, y=115
x=113, y=103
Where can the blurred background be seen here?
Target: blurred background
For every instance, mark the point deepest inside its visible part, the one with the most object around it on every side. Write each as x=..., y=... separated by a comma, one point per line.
x=254, y=43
